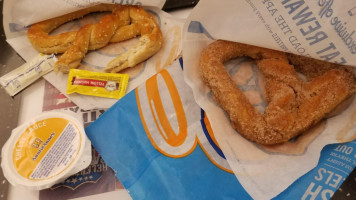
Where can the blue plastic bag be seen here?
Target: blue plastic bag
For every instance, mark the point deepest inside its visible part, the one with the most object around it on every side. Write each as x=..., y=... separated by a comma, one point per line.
x=157, y=140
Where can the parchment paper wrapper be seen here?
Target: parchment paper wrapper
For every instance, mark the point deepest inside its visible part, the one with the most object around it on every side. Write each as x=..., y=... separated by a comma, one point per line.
x=300, y=27
x=19, y=14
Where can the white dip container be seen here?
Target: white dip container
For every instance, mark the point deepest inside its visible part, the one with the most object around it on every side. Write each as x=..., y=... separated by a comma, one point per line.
x=46, y=150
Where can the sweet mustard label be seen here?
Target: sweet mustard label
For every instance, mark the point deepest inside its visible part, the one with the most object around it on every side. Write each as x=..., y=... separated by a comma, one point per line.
x=46, y=148
x=110, y=85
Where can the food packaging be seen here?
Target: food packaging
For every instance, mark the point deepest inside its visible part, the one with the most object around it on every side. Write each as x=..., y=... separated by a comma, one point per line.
x=110, y=85
x=45, y=150
x=21, y=77
x=300, y=27
x=163, y=145
x=16, y=25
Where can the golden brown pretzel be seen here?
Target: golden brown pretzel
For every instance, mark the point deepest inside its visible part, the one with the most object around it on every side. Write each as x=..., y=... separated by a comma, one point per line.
x=293, y=104
x=123, y=23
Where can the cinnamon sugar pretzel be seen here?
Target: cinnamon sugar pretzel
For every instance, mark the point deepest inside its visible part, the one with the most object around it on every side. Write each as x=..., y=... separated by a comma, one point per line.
x=293, y=104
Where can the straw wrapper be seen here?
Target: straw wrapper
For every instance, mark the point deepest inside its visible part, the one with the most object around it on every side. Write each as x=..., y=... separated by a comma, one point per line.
x=320, y=29
x=18, y=16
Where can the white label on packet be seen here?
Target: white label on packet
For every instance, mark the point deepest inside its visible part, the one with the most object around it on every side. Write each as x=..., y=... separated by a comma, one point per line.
x=21, y=77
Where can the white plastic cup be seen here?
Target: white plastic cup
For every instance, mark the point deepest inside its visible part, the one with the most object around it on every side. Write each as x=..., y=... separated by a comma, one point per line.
x=46, y=150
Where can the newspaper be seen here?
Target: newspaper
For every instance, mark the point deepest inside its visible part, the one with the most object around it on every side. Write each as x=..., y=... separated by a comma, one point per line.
x=320, y=29
x=97, y=177
x=18, y=16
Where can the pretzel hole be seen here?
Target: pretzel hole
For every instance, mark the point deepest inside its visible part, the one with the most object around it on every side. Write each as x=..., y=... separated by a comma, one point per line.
x=244, y=72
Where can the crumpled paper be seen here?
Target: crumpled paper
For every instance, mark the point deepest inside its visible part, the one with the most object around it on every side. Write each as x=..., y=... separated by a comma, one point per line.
x=320, y=29
x=18, y=15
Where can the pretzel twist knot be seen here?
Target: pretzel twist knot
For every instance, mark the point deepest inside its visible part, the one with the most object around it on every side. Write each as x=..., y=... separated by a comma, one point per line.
x=293, y=104
x=124, y=22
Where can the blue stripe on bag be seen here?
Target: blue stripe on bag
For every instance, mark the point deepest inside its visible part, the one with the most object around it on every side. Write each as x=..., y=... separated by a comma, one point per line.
x=197, y=27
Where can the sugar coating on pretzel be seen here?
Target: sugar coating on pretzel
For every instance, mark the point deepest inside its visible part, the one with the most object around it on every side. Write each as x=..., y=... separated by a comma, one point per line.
x=293, y=104
x=124, y=22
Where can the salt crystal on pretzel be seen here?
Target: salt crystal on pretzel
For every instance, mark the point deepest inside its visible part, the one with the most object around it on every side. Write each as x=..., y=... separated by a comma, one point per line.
x=123, y=23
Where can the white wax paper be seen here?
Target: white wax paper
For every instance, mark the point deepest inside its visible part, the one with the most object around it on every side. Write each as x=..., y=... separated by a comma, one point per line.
x=18, y=15
x=282, y=25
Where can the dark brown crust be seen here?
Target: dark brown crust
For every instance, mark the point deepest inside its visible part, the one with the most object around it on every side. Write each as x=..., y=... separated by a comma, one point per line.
x=293, y=105
x=307, y=66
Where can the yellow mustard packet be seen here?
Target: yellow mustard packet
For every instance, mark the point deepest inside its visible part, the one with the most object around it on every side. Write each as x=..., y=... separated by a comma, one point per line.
x=110, y=85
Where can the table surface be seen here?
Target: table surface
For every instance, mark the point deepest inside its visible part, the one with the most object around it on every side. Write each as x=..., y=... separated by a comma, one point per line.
x=9, y=110
x=12, y=108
